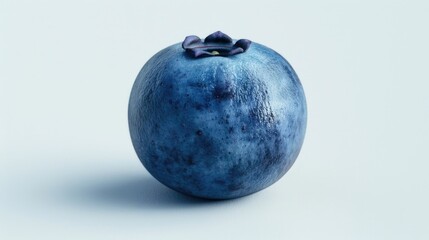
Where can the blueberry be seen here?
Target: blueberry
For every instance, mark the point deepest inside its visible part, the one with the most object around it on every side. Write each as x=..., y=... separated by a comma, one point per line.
x=217, y=118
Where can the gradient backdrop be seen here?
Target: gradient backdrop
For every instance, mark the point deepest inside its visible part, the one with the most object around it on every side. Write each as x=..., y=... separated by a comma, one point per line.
x=68, y=169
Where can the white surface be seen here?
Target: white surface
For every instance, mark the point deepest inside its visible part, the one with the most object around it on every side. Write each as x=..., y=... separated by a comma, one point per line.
x=68, y=170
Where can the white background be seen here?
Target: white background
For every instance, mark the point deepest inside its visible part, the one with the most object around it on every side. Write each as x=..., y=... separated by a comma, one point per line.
x=68, y=169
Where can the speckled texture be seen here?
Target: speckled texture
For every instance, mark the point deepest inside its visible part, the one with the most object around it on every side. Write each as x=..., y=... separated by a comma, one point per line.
x=217, y=127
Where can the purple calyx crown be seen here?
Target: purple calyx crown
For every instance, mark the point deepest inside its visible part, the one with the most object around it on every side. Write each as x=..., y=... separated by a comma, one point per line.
x=215, y=44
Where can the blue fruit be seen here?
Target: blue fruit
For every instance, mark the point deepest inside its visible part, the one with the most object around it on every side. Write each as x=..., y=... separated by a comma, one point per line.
x=217, y=118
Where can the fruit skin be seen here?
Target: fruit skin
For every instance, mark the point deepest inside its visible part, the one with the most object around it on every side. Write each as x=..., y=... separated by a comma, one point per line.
x=217, y=127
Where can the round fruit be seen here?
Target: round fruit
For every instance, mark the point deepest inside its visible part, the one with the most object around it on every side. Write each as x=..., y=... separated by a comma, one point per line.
x=217, y=118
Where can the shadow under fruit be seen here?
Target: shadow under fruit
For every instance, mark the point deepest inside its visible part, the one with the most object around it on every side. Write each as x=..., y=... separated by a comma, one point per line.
x=217, y=118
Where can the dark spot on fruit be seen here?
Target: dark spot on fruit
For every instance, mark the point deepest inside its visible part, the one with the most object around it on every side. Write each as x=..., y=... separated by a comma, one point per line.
x=199, y=132
x=154, y=157
x=219, y=182
x=190, y=161
x=235, y=172
x=223, y=91
x=243, y=128
x=235, y=186
x=231, y=130
x=271, y=117
x=253, y=113
x=201, y=106
x=197, y=84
